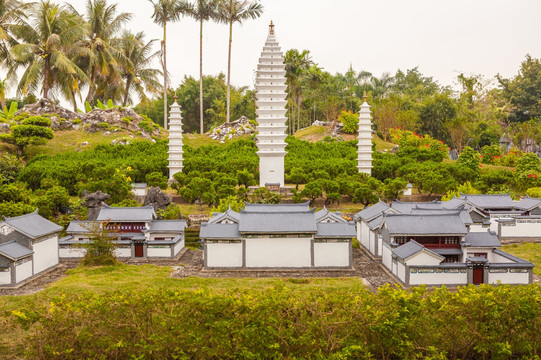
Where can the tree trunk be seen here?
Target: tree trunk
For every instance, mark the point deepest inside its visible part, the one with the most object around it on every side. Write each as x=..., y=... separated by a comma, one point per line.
x=229, y=72
x=164, y=63
x=201, y=74
x=128, y=84
x=199, y=202
x=74, y=101
x=46, y=77
x=299, y=100
x=90, y=94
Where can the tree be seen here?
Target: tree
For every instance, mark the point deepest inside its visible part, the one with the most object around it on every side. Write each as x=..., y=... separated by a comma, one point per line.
x=135, y=67
x=167, y=11
x=100, y=249
x=350, y=121
x=32, y=131
x=204, y=10
x=231, y=12
x=12, y=14
x=48, y=47
x=103, y=55
x=470, y=159
x=297, y=64
x=198, y=187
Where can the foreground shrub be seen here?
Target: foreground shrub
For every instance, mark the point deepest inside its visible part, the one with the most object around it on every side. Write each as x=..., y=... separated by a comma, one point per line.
x=346, y=323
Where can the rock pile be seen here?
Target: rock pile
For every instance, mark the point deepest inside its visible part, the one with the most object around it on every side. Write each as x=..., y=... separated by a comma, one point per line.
x=93, y=121
x=233, y=129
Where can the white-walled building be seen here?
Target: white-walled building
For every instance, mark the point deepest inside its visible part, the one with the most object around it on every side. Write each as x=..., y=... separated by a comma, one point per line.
x=137, y=233
x=175, y=140
x=277, y=236
x=28, y=247
x=438, y=243
x=271, y=112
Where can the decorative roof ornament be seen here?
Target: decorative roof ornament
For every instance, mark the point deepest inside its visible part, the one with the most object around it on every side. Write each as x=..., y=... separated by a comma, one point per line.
x=271, y=28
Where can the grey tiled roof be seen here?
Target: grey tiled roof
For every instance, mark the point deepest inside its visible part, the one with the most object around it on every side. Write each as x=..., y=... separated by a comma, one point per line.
x=371, y=212
x=453, y=203
x=464, y=214
x=14, y=250
x=409, y=249
x=528, y=203
x=336, y=230
x=482, y=239
x=167, y=225
x=273, y=222
x=492, y=201
x=79, y=227
x=445, y=251
x=131, y=214
x=375, y=223
x=219, y=231
x=279, y=208
x=33, y=225
x=231, y=214
x=433, y=224
x=319, y=215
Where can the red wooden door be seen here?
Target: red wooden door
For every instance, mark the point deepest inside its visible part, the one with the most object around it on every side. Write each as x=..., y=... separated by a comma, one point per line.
x=477, y=275
x=138, y=250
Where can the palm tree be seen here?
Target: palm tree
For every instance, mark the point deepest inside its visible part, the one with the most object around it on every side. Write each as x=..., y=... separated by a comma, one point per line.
x=12, y=14
x=48, y=47
x=167, y=11
x=230, y=12
x=203, y=10
x=102, y=60
x=297, y=64
x=136, y=70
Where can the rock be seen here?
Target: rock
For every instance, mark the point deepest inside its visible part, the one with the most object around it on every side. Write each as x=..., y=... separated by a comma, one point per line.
x=45, y=106
x=106, y=133
x=84, y=143
x=4, y=127
x=157, y=198
x=94, y=203
x=232, y=129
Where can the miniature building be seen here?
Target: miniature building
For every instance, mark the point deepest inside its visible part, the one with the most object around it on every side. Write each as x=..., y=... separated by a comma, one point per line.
x=175, y=140
x=277, y=236
x=364, y=144
x=271, y=112
x=28, y=247
x=137, y=233
x=438, y=243
x=139, y=189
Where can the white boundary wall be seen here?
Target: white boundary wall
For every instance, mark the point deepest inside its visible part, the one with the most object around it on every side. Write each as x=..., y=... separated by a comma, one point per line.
x=331, y=254
x=123, y=252
x=178, y=247
x=5, y=277
x=387, y=257
x=45, y=254
x=162, y=251
x=72, y=253
x=364, y=238
x=23, y=271
x=277, y=252
x=508, y=277
x=522, y=229
x=224, y=254
x=437, y=278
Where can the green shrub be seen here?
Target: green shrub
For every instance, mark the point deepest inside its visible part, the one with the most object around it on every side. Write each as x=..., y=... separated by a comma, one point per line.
x=350, y=121
x=156, y=179
x=103, y=125
x=127, y=119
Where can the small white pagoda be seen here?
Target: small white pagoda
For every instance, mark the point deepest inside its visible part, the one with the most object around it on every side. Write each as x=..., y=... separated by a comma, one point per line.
x=175, y=140
x=271, y=112
x=364, y=146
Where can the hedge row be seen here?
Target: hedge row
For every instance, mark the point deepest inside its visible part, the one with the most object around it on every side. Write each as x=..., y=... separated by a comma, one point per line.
x=470, y=323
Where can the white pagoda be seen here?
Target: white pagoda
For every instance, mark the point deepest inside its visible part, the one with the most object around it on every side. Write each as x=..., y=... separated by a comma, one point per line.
x=271, y=112
x=175, y=140
x=364, y=146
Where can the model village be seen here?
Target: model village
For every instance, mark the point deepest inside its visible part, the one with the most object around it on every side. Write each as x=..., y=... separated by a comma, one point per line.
x=451, y=243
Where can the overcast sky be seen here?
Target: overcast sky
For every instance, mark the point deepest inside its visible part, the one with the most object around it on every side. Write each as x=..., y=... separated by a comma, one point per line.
x=442, y=38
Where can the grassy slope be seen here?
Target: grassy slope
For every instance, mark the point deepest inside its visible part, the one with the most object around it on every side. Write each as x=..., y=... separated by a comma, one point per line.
x=527, y=251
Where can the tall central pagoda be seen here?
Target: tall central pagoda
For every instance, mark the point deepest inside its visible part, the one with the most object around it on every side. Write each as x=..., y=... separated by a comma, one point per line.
x=271, y=112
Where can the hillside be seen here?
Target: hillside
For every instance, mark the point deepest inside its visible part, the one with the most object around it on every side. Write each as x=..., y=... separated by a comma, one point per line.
x=316, y=133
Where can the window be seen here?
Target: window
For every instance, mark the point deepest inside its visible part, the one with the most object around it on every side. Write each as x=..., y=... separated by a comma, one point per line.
x=483, y=255
x=450, y=259
x=400, y=239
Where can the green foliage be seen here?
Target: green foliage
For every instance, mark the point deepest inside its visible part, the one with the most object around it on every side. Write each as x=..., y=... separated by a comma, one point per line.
x=350, y=121
x=13, y=193
x=534, y=192
x=10, y=209
x=100, y=249
x=466, y=188
x=28, y=134
x=7, y=113
x=49, y=204
x=528, y=172
x=156, y=179
x=490, y=154
x=347, y=323
x=227, y=202
x=103, y=125
x=37, y=121
x=470, y=158
x=126, y=203
x=171, y=212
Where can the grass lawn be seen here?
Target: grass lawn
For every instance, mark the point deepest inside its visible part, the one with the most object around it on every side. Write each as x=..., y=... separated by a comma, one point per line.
x=527, y=251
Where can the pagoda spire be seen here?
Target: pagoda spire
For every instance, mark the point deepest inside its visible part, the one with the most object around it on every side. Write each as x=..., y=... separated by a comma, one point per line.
x=364, y=144
x=271, y=111
x=175, y=140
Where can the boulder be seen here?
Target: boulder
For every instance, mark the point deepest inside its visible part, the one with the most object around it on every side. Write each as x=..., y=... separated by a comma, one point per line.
x=94, y=203
x=157, y=199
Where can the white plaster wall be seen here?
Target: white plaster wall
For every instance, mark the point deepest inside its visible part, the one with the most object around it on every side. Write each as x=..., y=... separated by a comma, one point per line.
x=5, y=277
x=401, y=271
x=23, y=271
x=500, y=259
x=278, y=252
x=168, y=236
x=139, y=192
x=271, y=169
x=438, y=278
x=508, y=278
x=331, y=254
x=372, y=243
x=72, y=253
x=365, y=233
x=224, y=255
x=386, y=257
x=123, y=252
x=164, y=251
x=45, y=254
x=423, y=258
x=522, y=230
x=379, y=246
x=469, y=251
x=178, y=247
x=478, y=228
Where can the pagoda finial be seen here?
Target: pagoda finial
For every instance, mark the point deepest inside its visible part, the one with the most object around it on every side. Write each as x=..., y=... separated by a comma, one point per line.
x=271, y=28
x=176, y=97
x=364, y=96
